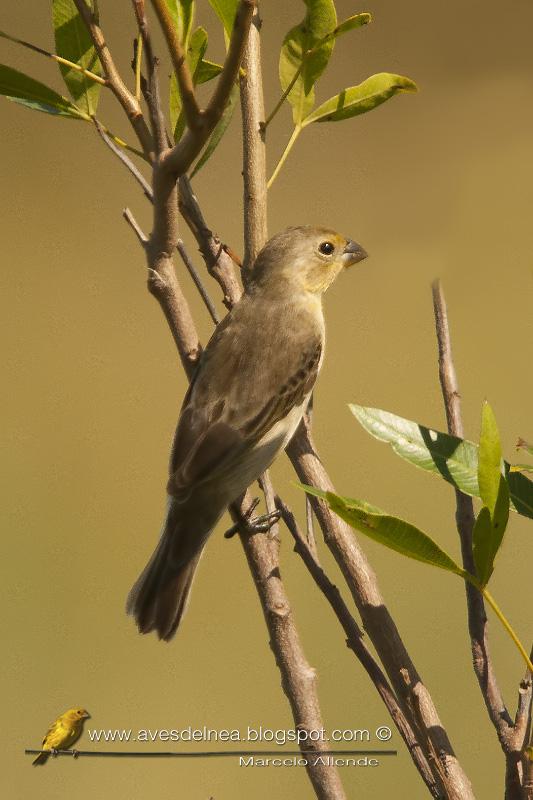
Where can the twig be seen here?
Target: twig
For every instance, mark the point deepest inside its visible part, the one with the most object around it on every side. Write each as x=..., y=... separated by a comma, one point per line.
x=179, y=62
x=147, y=189
x=134, y=225
x=510, y=735
x=354, y=640
x=254, y=151
x=92, y=76
x=138, y=66
x=198, y=282
x=310, y=530
x=219, y=263
x=127, y=100
x=152, y=85
x=128, y=163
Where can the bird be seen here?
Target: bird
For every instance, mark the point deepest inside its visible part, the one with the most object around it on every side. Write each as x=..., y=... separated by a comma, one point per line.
x=62, y=733
x=244, y=403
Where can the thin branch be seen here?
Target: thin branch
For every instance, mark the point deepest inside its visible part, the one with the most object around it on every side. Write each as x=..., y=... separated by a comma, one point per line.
x=92, y=76
x=298, y=678
x=138, y=67
x=219, y=263
x=198, y=282
x=179, y=61
x=147, y=189
x=136, y=228
x=355, y=641
x=127, y=100
x=477, y=618
x=254, y=150
x=152, y=85
x=510, y=735
x=128, y=163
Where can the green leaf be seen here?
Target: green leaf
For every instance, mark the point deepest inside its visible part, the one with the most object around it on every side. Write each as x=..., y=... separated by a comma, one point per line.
x=182, y=12
x=28, y=92
x=207, y=70
x=482, y=545
x=225, y=11
x=360, y=99
x=219, y=130
x=195, y=53
x=319, y=21
x=453, y=459
x=488, y=533
x=356, y=21
x=393, y=532
x=490, y=458
x=73, y=42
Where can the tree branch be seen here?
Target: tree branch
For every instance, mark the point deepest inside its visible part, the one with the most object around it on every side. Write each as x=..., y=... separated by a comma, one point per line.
x=152, y=85
x=179, y=62
x=512, y=735
x=127, y=100
x=219, y=264
x=254, y=150
x=355, y=641
x=178, y=160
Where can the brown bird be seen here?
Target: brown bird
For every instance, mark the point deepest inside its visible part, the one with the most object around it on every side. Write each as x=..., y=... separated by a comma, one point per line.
x=62, y=733
x=244, y=404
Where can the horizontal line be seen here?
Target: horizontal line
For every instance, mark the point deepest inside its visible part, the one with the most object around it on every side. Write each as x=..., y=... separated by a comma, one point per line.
x=214, y=753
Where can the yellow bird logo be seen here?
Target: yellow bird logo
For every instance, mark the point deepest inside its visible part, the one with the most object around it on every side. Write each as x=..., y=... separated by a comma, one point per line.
x=62, y=733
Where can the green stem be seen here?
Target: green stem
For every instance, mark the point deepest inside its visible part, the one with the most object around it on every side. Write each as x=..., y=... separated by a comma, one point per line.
x=296, y=132
x=119, y=141
x=59, y=59
x=283, y=96
x=501, y=616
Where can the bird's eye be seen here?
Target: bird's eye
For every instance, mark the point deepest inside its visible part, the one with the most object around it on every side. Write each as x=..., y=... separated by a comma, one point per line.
x=326, y=248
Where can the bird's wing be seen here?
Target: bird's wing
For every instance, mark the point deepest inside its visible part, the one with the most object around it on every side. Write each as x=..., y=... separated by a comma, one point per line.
x=50, y=732
x=245, y=383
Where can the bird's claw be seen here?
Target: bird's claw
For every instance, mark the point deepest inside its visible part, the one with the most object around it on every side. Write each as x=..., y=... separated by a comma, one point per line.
x=263, y=523
x=252, y=525
x=54, y=751
x=75, y=753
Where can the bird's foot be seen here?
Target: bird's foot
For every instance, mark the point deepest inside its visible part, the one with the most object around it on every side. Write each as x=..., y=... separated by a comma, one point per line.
x=75, y=753
x=252, y=525
x=54, y=751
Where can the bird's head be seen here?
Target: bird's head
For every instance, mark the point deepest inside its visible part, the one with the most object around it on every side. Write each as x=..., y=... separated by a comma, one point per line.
x=308, y=258
x=76, y=714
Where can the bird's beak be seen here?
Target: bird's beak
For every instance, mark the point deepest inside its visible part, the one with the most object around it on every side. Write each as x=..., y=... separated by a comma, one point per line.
x=353, y=253
x=86, y=715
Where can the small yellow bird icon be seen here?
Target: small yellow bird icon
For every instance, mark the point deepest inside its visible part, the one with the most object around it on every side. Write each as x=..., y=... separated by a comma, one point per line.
x=62, y=733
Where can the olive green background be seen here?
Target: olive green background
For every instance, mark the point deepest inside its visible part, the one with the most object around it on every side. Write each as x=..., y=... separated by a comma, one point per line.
x=438, y=183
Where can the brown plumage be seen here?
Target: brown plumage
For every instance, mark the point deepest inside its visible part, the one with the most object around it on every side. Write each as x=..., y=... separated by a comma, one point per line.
x=242, y=407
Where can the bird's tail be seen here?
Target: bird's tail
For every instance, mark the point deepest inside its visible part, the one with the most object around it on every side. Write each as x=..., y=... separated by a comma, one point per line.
x=159, y=597
x=42, y=758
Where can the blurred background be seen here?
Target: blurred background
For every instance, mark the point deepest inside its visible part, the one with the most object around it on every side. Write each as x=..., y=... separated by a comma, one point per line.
x=438, y=183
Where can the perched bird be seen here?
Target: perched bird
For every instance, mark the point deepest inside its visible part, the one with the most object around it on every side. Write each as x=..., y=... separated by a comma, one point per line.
x=244, y=403
x=63, y=733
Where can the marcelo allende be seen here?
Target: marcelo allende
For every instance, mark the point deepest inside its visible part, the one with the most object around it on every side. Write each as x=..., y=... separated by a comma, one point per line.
x=300, y=761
